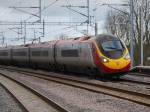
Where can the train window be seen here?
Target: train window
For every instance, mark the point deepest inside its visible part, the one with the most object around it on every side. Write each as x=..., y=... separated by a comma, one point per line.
x=70, y=53
x=20, y=53
x=40, y=53
x=3, y=53
x=44, y=53
x=36, y=53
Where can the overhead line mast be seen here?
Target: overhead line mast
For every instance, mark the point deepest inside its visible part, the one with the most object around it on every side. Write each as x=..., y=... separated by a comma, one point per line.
x=40, y=10
x=88, y=13
x=131, y=33
x=3, y=38
x=38, y=14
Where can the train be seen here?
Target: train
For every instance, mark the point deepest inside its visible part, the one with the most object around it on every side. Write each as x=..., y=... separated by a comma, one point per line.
x=101, y=55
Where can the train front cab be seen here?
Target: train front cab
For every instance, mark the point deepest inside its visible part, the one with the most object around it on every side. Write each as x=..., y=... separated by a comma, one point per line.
x=111, y=56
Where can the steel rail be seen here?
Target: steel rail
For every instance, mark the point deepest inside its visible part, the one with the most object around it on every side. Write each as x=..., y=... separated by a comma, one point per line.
x=18, y=101
x=45, y=98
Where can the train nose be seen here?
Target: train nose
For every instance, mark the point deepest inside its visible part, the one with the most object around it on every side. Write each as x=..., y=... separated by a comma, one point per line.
x=117, y=63
x=120, y=64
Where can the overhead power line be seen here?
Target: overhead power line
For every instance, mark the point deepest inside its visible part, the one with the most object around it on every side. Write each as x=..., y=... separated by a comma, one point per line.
x=43, y=9
x=87, y=6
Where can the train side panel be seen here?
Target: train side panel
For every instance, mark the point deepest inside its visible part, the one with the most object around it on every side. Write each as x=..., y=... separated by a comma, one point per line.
x=75, y=55
x=42, y=56
x=86, y=55
x=20, y=56
x=67, y=54
x=5, y=55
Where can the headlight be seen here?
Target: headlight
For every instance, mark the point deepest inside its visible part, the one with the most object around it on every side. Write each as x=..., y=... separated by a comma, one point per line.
x=127, y=56
x=104, y=60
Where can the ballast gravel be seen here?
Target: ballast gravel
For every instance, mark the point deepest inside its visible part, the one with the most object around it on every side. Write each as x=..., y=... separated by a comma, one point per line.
x=8, y=103
x=79, y=100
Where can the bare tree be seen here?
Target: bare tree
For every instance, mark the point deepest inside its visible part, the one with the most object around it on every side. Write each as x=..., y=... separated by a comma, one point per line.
x=118, y=24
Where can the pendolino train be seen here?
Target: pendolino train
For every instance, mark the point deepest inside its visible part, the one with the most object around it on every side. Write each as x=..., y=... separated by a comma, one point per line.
x=104, y=55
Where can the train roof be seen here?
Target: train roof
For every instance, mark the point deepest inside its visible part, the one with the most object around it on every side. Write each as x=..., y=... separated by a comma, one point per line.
x=101, y=37
x=43, y=44
x=68, y=40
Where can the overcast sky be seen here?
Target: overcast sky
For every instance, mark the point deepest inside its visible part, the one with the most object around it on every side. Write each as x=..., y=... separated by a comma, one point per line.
x=55, y=12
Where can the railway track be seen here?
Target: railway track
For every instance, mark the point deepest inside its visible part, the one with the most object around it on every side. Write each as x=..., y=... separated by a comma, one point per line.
x=136, y=78
x=28, y=97
x=135, y=81
x=140, y=74
x=137, y=97
x=23, y=108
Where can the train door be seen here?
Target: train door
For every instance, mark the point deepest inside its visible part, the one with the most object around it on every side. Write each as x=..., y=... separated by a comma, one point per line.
x=86, y=58
x=29, y=56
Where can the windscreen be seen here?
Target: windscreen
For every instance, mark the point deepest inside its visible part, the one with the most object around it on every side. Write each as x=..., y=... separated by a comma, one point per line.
x=112, y=45
x=112, y=49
